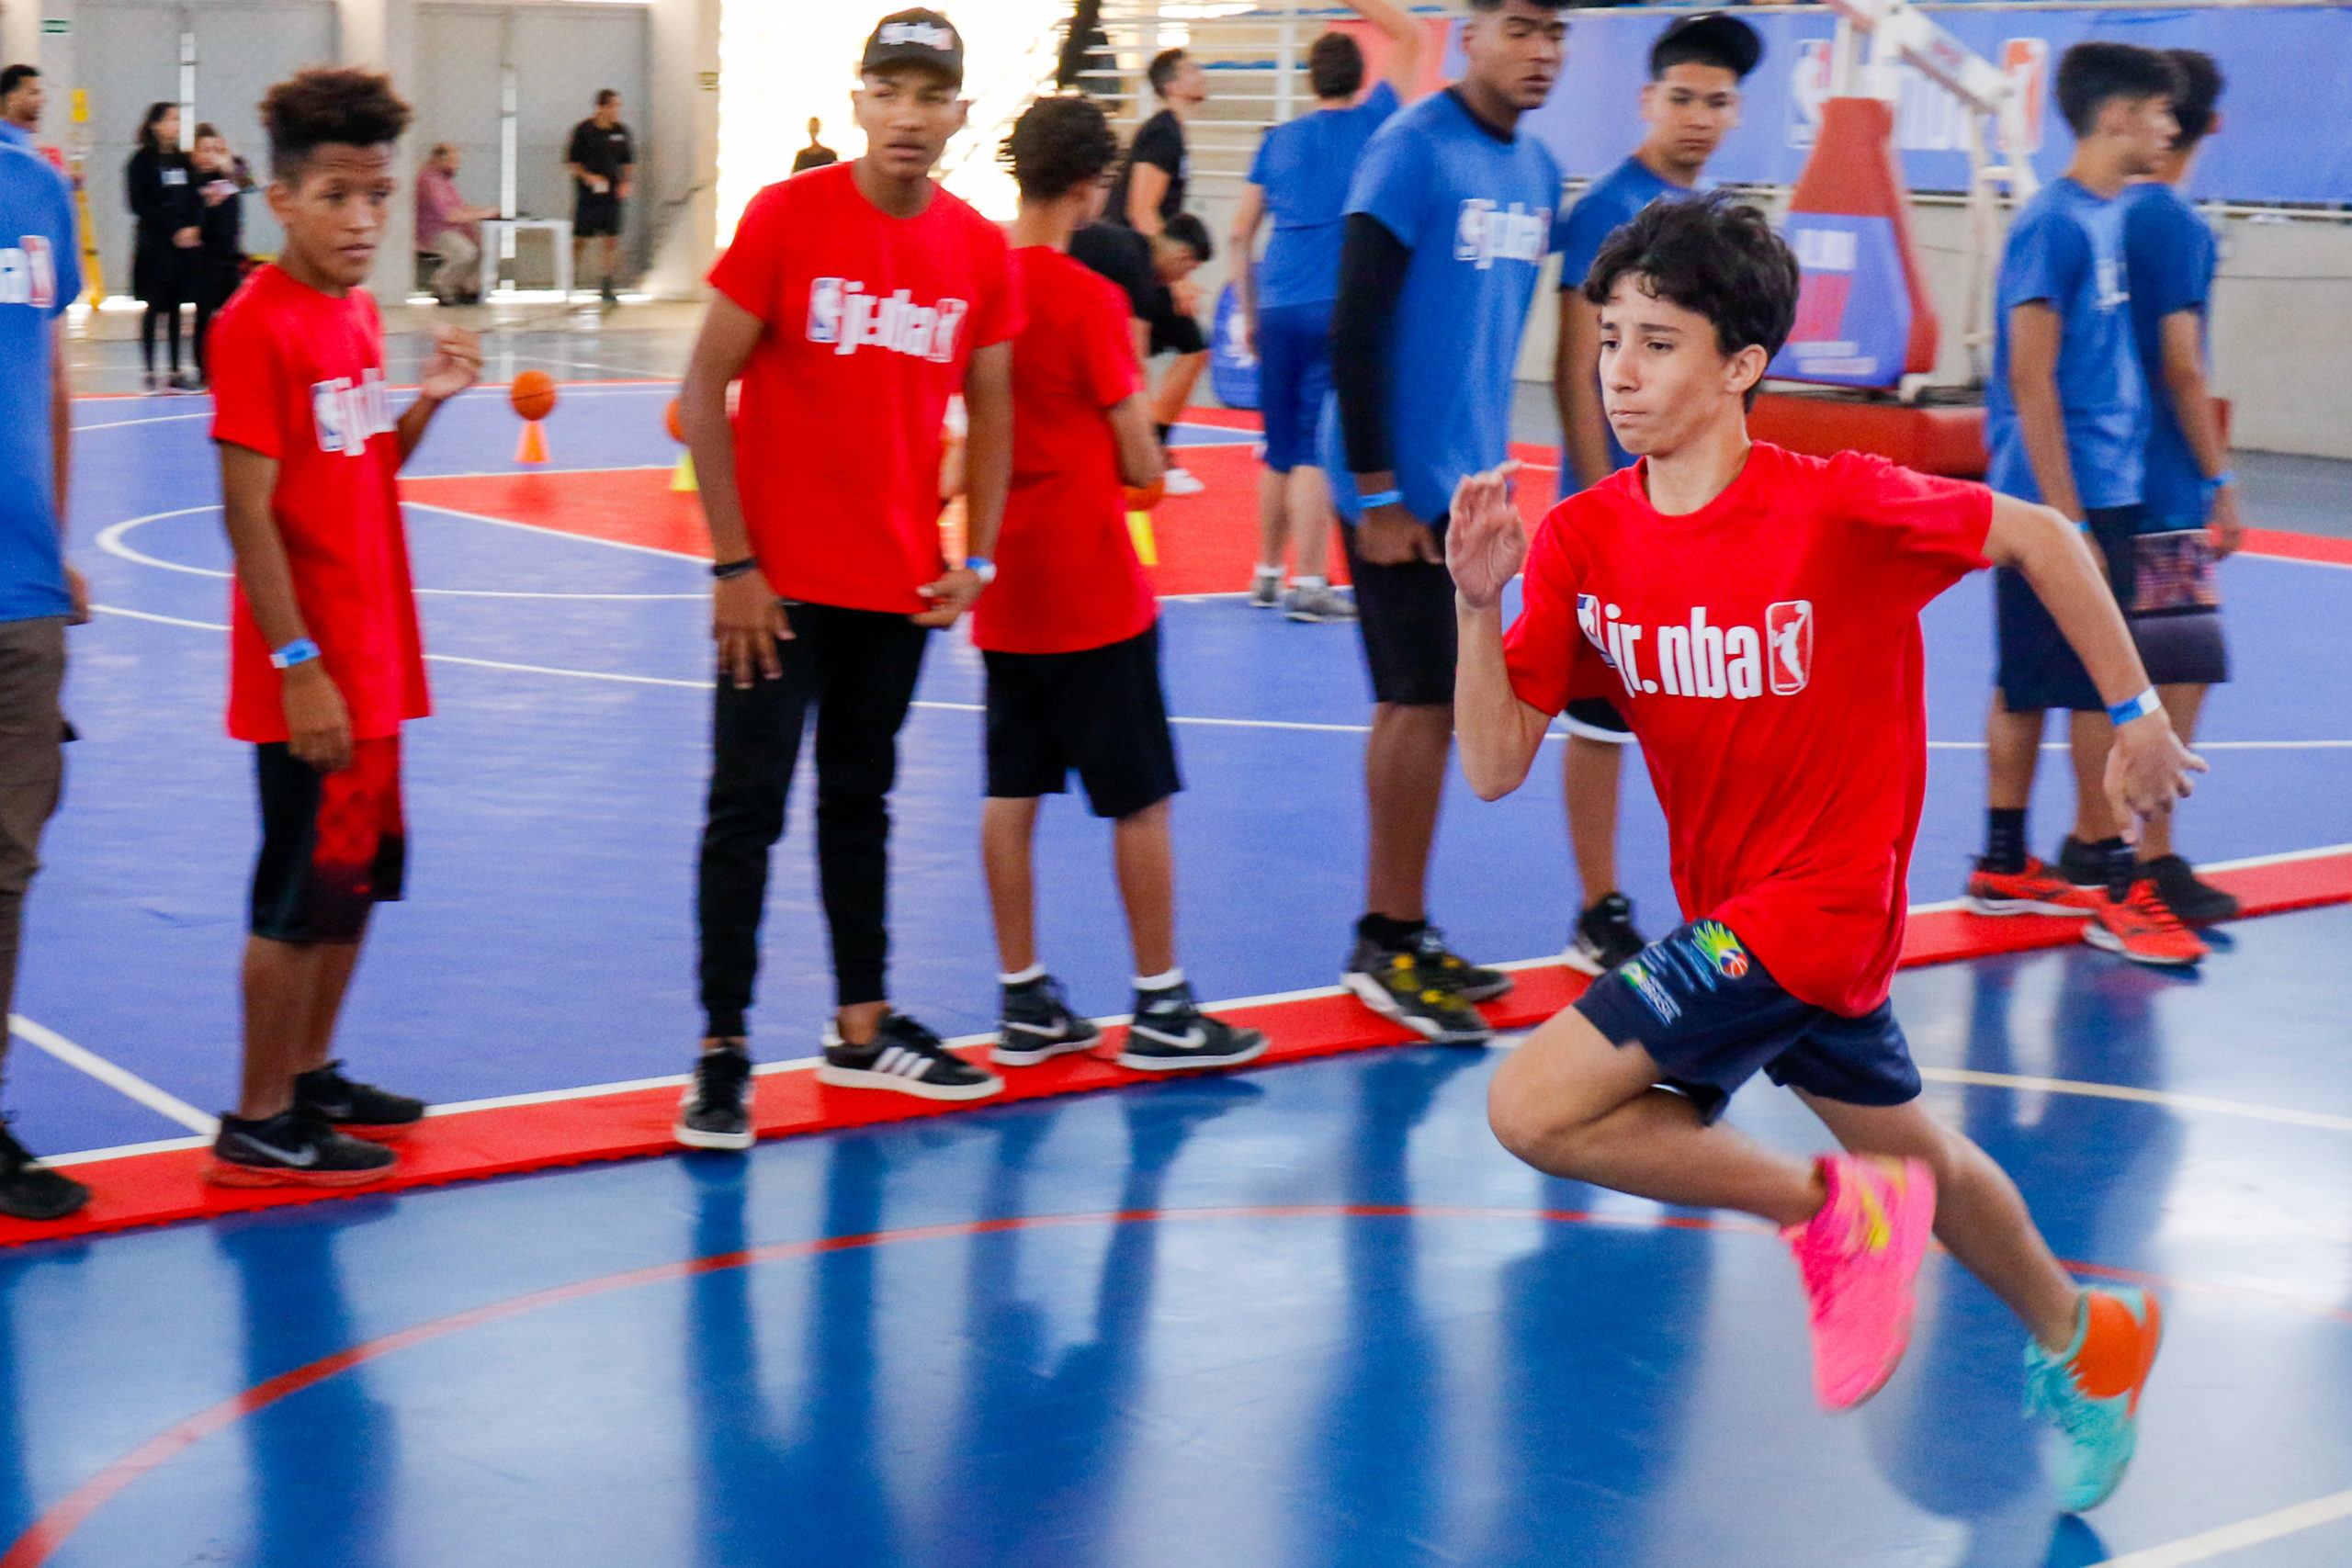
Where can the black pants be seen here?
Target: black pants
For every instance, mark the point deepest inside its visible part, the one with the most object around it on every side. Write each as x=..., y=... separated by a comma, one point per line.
x=858, y=667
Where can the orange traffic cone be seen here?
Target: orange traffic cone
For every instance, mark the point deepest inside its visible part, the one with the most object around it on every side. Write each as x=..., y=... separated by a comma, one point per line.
x=533, y=446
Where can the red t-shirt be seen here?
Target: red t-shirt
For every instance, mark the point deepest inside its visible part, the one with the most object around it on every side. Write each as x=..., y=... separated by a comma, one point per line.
x=1066, y=574
x=298, y=376
x=871, y=321
x=1765, y=651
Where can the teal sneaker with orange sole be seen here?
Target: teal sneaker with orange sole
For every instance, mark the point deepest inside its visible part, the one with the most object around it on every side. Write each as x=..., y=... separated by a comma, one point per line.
x=2090, y=1391
x=1860, y=1255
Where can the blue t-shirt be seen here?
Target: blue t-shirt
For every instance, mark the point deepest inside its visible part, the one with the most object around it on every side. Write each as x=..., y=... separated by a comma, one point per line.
x=2169, y=254
x=2066, y=247
x=41, y=273
x=1303, y=168
x=1476, y=212
x=1606, y=206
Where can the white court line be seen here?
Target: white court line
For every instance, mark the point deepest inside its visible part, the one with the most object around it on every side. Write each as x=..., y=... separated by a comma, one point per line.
x=2218, y=1542
x=518, y=473
x=114, y=1077
x=2144, y=1096
x=155, y=419
x=127, y=1150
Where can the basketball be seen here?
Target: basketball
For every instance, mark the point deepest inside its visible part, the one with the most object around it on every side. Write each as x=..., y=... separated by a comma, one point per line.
x=1146, y=497
x=669, y=418
x=533, y=394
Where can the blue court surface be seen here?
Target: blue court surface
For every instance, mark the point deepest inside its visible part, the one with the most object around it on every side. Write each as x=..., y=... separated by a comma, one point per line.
x=1312, y=1315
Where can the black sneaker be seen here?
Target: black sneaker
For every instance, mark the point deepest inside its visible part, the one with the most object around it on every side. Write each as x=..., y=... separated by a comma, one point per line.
x=1396, y=984
x=294, y=1148
x=1605, y=936
x=609, y=295
x=1170, y=1035
x=1474, y=983
x=1035, y=1024
x=361, y=1110
x=2196, y=903
x=2085, y=865
x=715, y=1113
x=30, y=1190
x=905, y=1058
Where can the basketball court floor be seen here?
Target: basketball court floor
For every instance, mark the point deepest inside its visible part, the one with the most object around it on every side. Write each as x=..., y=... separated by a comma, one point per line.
x=1304, y=1315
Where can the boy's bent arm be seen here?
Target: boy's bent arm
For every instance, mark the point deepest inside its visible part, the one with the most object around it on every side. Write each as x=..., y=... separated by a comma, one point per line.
x=1140, y=461
x=318, y=725
x=1485, y=545
x=988, y=475
x=2035, y=331
x=2148, y=768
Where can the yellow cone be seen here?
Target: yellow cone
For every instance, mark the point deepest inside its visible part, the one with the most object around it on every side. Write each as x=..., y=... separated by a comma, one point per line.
x=1139, y=530
x=682, y=478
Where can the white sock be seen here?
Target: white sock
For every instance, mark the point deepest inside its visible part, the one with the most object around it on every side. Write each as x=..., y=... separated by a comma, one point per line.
x=1303, y=581
x=1034, y=972
x=1160, y=982
x=1272, y=571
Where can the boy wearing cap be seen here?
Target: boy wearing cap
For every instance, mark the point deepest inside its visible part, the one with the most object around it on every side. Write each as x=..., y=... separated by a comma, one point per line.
x=1690, y=104
x=854, y=300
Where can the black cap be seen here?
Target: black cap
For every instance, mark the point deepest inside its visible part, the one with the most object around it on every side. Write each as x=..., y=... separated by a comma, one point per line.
x=916, y=37
x=1712, y=36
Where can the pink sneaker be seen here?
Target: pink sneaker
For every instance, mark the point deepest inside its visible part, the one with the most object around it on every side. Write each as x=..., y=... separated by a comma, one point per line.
x=1860, y=1254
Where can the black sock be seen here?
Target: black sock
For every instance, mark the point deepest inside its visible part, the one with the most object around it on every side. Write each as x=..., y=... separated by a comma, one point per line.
x=1161, y=431
x=1394, y=935
x=2004, y=840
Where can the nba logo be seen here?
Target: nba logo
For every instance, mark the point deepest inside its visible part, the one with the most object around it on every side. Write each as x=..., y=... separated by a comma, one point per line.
x=1589, y=622
x=42, y=266
x=333, y=419
x=1787, y=632
x=825, y=311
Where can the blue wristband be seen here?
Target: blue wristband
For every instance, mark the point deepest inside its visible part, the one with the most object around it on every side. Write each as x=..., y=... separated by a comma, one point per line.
x=301, y=650
x=2226, y=477
x=1380, y=497
x=982, y=567
x=2139, y=706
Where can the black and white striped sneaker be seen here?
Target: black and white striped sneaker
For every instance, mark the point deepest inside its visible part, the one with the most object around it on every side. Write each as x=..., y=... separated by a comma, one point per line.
x=1172, y=1035
x=905, y=1058
x=1035, y=1024
x=715, y=1113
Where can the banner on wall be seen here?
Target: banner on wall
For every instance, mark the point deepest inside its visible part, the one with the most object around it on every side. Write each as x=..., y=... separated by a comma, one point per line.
x=2287, y=134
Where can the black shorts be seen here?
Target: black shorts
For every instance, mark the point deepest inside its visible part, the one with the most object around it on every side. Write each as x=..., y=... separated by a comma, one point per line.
x=2164, y=580
x=1404, y=614
x=1597, y=718
x=1704, y=1007
x=1172, y=331
x=594, y=214
x=1098, y=710
x=332, y=845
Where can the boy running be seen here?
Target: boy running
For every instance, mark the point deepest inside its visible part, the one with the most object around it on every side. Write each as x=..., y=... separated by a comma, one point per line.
x=2066, y=416
x=325, y=662
x=1069, y=628
x=1690, y=104
x=1757, y=615
x=854, y=300
x=1448, y=223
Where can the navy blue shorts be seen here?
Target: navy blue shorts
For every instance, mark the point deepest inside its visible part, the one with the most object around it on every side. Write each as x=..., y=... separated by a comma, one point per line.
x=1294, y=378
x=1706, y=1009
x=2039, y=669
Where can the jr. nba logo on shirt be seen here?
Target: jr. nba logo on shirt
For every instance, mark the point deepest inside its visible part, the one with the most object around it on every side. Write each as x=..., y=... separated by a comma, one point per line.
x=1698, y=658
x=347, y=415
x=28, y=273
x=1484, y=236
x=842, y=314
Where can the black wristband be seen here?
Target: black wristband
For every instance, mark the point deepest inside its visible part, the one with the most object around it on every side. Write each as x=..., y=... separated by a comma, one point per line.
x=727, y=569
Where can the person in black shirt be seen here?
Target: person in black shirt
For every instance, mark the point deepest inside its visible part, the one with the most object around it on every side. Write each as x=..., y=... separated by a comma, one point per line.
x=1152, y=270
x=816, y=155
x=1150, y=189
x=222, y=181
x=602, y=157
x=160, y=184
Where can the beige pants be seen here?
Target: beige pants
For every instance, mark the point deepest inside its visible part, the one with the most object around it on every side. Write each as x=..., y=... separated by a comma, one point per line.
x=460, y=268
x=33, y=771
